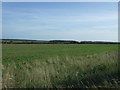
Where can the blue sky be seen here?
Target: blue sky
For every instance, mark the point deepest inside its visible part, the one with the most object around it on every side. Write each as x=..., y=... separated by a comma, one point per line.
x=96, y=21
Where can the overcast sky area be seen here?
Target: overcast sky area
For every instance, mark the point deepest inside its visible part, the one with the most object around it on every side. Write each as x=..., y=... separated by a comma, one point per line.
x=89, y=21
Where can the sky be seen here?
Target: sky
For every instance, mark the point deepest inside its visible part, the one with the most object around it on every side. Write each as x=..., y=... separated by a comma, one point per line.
x=81, y=21
x=60, y=0
x=0, y=20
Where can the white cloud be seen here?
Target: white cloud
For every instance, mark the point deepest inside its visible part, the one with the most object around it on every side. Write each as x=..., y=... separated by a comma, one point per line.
x=95, y=35
x=78, y=19
x=55, y=27
x=106, y=27
x=37, y=16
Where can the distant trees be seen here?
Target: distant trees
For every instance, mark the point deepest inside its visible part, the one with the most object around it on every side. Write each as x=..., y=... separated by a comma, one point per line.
x=63, y=42
x=12, y=41
x=98, y=42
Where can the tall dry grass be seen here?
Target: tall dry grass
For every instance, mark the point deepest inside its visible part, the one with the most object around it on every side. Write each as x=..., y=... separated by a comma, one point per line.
x=98, y=70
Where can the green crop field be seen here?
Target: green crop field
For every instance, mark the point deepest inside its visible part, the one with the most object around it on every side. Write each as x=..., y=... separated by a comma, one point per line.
x=60, y=65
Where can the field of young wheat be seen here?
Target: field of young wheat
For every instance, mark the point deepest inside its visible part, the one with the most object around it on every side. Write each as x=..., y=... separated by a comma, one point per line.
x=60, y=66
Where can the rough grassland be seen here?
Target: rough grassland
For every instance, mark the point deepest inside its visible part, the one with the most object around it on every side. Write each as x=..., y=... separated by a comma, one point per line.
x=60, y=66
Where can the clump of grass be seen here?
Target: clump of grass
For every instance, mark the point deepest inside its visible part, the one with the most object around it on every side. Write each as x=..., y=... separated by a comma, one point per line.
x=98, y=70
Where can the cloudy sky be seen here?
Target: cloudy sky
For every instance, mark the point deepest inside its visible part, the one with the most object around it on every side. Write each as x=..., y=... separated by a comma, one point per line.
x=96, y=21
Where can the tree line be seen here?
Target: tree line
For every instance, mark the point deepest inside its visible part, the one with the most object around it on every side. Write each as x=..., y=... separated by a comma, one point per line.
x=12, y=41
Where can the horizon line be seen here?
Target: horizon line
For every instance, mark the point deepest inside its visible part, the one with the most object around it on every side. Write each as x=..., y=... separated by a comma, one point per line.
x=61, y=40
